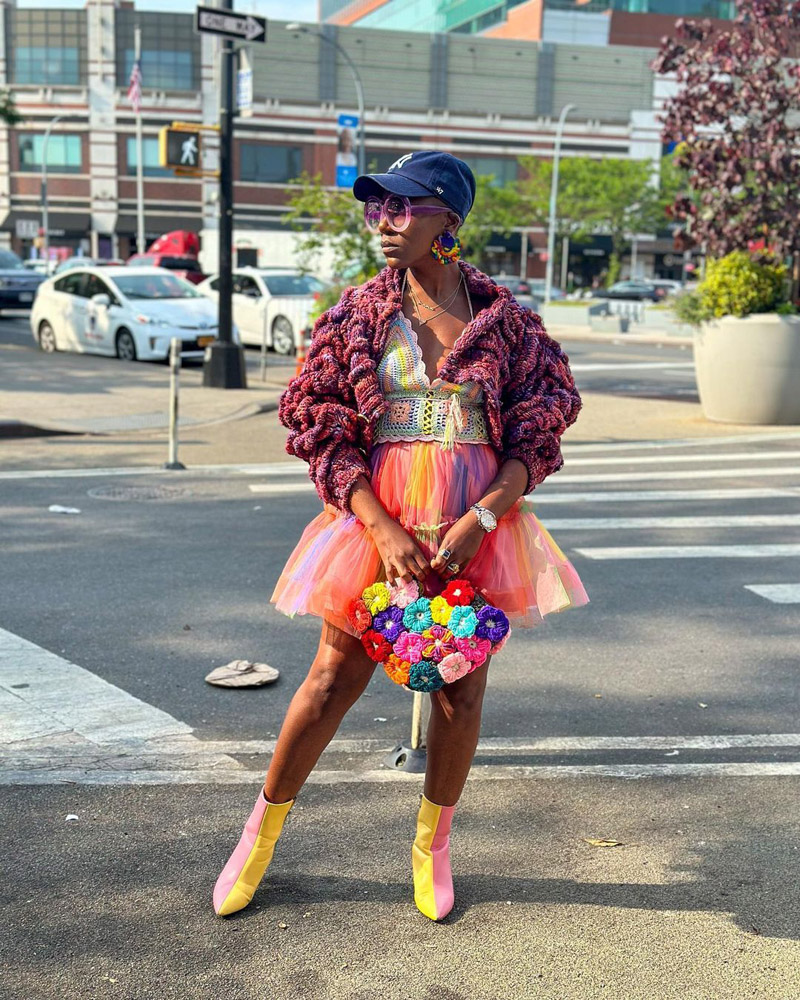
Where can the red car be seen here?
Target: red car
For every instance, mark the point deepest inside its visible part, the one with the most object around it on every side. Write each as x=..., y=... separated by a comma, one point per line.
x=184, y=267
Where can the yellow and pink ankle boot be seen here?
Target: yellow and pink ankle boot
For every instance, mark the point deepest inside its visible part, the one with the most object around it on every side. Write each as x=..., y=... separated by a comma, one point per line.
x=246, y=866
x=430, y=857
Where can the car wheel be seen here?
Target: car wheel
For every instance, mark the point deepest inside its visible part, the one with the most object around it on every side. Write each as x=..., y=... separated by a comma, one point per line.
x=126, y=345
x=282, y=336
x=47, y=338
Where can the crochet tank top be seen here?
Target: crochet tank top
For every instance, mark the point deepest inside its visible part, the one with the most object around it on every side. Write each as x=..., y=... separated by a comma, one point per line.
x=420, y=409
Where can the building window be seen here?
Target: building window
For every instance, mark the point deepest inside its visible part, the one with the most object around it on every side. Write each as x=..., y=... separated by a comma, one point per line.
x=503, y=169
x=63, y=153
x=47, y=64
x=163, y=69
x=259, y=163
x=150, y=162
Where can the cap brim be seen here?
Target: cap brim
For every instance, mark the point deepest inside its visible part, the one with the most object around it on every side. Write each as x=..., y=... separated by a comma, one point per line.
x=374, y=184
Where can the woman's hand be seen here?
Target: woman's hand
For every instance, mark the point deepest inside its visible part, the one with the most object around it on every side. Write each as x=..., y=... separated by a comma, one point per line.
x=462, y=540
x=402, y=558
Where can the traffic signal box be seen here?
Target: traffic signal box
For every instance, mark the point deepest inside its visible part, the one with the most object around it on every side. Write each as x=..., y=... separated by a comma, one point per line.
x=180, y=148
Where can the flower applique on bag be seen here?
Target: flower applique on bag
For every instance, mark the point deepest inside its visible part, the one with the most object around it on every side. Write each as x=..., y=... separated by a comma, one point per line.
x=424, y=643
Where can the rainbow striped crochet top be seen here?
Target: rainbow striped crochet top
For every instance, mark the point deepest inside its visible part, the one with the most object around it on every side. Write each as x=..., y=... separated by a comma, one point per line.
x=421, y=409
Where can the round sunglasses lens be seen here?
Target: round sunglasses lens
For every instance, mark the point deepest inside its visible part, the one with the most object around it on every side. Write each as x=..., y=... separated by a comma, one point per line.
x=397, y=214
x=372, y=214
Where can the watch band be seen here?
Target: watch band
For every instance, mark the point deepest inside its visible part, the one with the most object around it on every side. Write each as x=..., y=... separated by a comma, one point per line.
x=484, y=514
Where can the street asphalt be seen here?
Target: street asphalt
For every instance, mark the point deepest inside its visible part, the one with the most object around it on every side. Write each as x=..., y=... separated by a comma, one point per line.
x=662, y=718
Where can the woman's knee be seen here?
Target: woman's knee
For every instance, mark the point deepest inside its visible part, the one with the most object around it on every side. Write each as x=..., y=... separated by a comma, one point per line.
x=341, y=669
x=463, y=699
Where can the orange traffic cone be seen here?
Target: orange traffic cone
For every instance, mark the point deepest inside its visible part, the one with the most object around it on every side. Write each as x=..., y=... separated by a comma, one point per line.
x=300, y=354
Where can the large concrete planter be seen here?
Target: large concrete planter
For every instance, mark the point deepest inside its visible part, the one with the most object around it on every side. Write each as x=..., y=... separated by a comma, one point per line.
x=748, y=370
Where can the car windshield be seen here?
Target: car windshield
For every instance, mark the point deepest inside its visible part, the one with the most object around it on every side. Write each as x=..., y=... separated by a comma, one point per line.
x=292, y=284
x=155, y=286
x=9, y=261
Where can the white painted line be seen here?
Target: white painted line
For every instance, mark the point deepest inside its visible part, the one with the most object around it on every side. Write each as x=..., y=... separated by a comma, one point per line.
x=693, y=552
x=778, y=593
x=638, y=523
x=630, y=366
x=43, y=693
x=275, y=488
x=541, y=496
x=668, y=443
x=731, y=456
x=641, y=477
x=263, y=469
x=240, y=776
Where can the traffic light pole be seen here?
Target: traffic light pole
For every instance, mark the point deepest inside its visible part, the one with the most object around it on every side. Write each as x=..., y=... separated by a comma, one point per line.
x=224, y=366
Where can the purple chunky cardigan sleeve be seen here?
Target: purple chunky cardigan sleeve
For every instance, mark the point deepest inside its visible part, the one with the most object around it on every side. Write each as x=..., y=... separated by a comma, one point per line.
x=538, y=403
x=319, y=409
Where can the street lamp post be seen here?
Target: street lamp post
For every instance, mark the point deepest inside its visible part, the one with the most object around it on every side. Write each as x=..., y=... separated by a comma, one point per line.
x=305, y=30
x=551, y=226
x=45, y=220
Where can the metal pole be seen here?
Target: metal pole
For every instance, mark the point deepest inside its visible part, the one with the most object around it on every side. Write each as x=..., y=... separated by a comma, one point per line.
x=360, y=98
x=564, y=262
x=416, y=721
x=264, y=344
x=634, y=248
x=551, y=226
x=224, y=366
x=45, y=221
x=174, y=380
x=523, y=255
x=140, y=238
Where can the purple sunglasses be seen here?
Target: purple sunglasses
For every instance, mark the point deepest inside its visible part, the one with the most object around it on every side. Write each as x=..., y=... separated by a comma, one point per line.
x=397, y=210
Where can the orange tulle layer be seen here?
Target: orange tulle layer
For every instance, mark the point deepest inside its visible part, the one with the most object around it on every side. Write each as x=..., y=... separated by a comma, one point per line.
x=518, y=568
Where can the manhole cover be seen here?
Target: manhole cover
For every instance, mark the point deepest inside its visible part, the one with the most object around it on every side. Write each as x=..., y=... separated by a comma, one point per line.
x=139, y=493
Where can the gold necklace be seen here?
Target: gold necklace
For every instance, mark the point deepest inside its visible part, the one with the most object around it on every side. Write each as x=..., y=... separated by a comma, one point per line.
x=443, y=306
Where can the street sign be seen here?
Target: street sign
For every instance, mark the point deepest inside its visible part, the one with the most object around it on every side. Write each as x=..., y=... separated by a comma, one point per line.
x=244, y=86
x=245, y=27
x=180, y=149
x=27, y=229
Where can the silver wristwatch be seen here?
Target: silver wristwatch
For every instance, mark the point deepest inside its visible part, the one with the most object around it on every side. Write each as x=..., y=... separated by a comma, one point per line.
x=486, y=518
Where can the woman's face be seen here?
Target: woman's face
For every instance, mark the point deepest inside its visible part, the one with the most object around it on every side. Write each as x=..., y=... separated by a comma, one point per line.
x=413, y=246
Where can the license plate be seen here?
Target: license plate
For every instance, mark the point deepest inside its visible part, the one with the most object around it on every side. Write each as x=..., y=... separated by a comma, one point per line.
x=26, y=296
x=204, y=341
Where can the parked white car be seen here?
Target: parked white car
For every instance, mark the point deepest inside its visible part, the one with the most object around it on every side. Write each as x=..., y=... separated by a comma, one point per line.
x=130, y=312
x=272, y=302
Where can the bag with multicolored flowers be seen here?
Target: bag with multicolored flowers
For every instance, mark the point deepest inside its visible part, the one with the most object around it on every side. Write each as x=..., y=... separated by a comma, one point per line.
x=424, y=643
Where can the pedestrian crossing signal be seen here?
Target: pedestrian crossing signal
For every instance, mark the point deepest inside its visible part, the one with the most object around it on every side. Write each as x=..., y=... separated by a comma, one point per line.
x=180, y=149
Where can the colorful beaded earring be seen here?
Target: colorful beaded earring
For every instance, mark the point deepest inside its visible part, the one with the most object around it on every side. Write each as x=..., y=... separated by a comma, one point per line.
x=446, y=248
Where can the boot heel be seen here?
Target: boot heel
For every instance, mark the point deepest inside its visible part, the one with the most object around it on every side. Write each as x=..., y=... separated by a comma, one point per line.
x=246, y=866
x=430, y=857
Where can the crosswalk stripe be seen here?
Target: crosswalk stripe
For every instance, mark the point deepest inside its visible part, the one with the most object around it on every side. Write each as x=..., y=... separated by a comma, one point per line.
x=667, y=444
x=541, y=496
x=737, y=456
x=692, y=552
x=641, y=477
x=631, y=366
x=777, y=593
x=637, y=523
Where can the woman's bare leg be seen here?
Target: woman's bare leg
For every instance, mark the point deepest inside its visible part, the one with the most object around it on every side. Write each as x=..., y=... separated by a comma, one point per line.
x=453, y=732
x=337, y=677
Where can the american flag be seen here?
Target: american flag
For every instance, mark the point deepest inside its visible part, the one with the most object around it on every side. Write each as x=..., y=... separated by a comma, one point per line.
x=135, y=87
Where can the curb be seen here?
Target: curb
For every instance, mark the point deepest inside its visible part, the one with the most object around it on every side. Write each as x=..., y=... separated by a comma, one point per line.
x=595, y=336
x=19, y=429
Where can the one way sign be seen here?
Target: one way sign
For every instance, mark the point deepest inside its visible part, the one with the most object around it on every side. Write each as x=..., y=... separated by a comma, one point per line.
x=245, y=27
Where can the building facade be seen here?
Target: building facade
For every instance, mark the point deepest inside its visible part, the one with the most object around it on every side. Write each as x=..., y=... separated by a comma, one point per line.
x=487, y=100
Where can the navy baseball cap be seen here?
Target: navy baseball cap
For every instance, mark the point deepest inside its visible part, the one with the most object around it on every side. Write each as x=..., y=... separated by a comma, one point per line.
x=420, y=175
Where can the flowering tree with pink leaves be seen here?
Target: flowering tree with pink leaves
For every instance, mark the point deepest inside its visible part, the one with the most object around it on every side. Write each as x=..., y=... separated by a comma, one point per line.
x=736, y=119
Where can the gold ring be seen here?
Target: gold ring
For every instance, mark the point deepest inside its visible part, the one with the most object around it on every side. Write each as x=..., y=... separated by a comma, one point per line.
x=453, y=567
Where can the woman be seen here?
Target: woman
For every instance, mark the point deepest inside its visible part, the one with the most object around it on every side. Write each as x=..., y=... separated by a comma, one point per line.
x=429, y=405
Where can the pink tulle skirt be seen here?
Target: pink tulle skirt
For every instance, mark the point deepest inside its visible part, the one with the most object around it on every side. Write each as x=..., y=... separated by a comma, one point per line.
x=518, y=568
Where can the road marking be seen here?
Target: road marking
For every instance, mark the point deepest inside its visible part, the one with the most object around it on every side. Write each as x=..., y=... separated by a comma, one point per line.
x=300, y=486
x=738, y=456
x=692, y=552
x=631, y=366
x=638, y=523
x=641, y=477
x=44, y=695
x=658, y=496
x=242, y=776
x=778, y=593
x=667, y=443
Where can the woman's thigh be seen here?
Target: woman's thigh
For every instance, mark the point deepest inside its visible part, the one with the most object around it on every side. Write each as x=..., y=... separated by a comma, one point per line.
x=341, y=660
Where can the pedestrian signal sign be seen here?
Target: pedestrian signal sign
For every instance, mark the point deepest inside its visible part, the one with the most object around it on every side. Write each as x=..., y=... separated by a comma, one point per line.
x=180, y=149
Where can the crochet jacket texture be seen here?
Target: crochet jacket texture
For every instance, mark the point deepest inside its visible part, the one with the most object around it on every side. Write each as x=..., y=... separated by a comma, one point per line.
x=333, y=406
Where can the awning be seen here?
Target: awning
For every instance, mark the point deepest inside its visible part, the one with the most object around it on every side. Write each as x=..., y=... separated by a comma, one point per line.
x=26, y=224
x=157, y=225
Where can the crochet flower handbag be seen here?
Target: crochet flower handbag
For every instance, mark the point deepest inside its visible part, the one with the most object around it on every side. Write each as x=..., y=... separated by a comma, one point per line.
x=424, y=643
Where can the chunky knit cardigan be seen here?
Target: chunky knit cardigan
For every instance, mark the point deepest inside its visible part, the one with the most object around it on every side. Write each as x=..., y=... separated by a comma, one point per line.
x=333, y=406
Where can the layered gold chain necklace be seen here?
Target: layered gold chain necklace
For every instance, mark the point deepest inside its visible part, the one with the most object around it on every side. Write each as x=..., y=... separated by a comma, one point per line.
x=441, y=306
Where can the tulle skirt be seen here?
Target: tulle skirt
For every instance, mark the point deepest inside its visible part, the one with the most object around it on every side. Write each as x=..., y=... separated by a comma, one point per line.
x=518, y=567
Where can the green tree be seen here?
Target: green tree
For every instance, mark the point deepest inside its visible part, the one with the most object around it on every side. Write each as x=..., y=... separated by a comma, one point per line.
x=9, y=114
x=496, y=210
